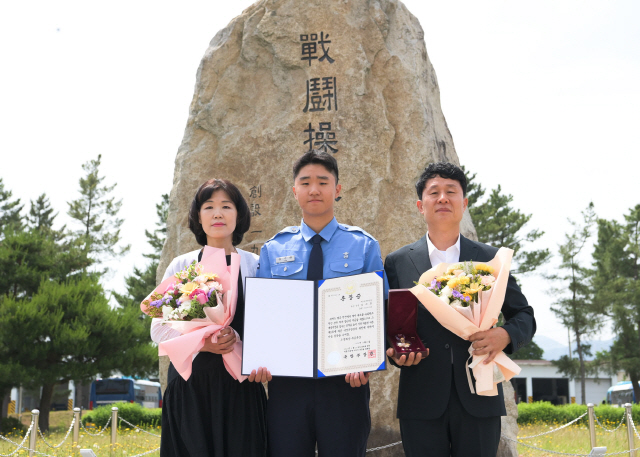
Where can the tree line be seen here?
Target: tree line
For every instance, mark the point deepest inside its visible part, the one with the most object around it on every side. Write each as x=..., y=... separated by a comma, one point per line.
x=56, y=323
x=56, y=320
x=589, y=289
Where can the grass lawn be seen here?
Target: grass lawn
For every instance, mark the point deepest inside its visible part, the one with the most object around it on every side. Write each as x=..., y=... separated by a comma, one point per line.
x=129, y=443
x=572, y=439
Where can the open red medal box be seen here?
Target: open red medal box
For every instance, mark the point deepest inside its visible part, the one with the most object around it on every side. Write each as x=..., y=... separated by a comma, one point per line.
x=402, y=321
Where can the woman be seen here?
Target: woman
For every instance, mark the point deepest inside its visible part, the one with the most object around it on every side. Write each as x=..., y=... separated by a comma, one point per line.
x=212, y=414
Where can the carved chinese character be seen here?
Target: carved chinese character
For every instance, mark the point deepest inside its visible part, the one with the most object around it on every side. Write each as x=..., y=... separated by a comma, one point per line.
x=321, y=94
x=255, y=210
x=255, y=191
x=323, y=139
x=310, y=44
x=325, y=51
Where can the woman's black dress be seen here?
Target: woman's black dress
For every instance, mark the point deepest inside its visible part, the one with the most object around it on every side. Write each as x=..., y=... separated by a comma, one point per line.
x=212, y=414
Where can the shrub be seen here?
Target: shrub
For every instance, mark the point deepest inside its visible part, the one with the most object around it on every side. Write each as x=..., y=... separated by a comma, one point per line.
x=131, y=412
x=11, y=425
x=545, y=412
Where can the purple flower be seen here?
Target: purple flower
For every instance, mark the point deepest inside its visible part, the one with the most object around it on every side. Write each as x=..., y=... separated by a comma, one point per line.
x=434, y=285
x=458, y=295
x=157, y=303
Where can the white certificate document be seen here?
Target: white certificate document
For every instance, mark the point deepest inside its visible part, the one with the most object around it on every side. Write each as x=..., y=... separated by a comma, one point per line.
x=278, y=327
x=351, y=325
x=314, y=329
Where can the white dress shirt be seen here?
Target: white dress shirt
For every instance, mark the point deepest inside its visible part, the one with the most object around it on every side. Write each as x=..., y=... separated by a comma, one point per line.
x=451, y=255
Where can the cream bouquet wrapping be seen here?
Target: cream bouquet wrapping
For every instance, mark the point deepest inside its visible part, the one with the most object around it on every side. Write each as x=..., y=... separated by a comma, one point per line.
x=465, y=298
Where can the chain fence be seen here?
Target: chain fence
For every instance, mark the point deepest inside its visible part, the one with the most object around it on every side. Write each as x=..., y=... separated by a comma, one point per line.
x=519, y=441
x=624, y=416
x=96, y=434
x=554, y=430
x=63, y=440
x=21, y=445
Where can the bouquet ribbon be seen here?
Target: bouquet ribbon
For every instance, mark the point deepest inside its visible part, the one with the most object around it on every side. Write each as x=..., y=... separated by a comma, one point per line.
x=502, y=368
x=194, y=333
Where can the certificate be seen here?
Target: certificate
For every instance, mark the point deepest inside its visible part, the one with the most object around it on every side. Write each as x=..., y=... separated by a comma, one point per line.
x=314, y=329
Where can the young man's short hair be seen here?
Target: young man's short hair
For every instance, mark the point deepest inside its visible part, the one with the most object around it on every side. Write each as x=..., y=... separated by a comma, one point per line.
x=316, y=157
x=444, y=170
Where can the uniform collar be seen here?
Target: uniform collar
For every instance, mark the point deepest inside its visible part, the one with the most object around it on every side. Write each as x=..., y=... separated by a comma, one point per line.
x=326, y=233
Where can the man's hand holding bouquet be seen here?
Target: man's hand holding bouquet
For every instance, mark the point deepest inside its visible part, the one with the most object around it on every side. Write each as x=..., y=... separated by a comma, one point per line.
x=466, y=298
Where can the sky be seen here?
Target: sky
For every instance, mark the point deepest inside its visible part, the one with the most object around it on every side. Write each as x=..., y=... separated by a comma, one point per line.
x=540, y=97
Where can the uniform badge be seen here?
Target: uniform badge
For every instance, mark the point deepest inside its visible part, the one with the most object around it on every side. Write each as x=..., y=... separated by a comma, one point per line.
x=286, y=259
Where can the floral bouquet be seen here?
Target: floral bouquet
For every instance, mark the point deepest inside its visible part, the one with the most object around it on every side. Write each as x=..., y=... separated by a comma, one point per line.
x=463, y=287
x=466, y=298
x=198, y=303
x=186, y=299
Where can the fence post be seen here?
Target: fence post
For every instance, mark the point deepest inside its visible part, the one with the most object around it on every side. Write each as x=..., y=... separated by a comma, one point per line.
x=114, y=427
x=592, y=425
x=76, y=426
x=627, y=407
x=34, y=432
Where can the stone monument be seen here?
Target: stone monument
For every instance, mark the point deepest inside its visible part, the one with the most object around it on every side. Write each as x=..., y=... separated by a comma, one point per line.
x=352, y=78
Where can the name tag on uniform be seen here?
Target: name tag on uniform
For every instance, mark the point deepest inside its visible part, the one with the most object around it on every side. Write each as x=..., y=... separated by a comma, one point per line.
x=289, y=258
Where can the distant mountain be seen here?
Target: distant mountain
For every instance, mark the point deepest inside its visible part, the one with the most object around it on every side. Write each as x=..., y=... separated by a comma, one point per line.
x=553, y=349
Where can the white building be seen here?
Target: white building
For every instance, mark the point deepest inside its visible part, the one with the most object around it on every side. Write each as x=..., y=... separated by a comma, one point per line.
x=539, y=380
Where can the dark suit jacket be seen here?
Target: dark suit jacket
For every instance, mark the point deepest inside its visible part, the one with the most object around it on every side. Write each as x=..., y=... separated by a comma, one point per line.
x=424, y=388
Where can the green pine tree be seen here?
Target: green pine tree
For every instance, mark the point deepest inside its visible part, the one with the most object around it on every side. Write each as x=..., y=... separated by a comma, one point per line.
x=143, y=281
x=97, y=213
x=574, y=303
x=530, y=351
x=157, y=238
x=67, y=330
x=617, y=289
x=9, y=210
x=499, y=224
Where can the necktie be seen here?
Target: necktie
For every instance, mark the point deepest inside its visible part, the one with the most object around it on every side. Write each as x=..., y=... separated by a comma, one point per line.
x=314, y=269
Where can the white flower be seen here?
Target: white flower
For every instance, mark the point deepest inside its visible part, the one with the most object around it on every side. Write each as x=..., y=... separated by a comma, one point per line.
x=456, y=303
x=167, y=311
x=185, y=306
x=445, y=299
x=446, y=292
x=204, y=288
x=215, y=285
x=200, y=279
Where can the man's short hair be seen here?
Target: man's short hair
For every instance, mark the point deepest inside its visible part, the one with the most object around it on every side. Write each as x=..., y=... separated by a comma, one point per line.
x=444, y=170
x=316, y=157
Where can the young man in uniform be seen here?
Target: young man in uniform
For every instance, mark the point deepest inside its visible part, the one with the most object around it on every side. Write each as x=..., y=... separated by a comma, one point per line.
x=439, y=416
x=333, y=411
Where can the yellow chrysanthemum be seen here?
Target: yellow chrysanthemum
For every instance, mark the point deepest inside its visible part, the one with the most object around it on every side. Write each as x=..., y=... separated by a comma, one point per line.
x=467, y=295
x=483, y=267
x=210, y=276
x=474, y=288
x=452, y=268
x=444, y=278
x=453, y=283
x=464, y=280
x=188, y=288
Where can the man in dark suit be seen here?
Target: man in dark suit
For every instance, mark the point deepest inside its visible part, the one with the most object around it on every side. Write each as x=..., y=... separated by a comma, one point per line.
x=439, y=416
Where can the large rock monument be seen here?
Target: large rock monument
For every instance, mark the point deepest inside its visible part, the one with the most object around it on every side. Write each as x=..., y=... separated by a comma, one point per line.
x=352, y=78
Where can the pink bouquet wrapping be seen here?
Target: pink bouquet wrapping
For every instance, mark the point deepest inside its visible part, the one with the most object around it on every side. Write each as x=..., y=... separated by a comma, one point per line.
x=471, y=308
x=213, y=313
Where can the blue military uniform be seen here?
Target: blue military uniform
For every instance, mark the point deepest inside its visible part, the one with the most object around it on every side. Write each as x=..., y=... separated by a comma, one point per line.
x=302, y=412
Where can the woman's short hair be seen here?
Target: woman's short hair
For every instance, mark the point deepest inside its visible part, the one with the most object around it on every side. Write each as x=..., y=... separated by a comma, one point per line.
x=243, y=221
